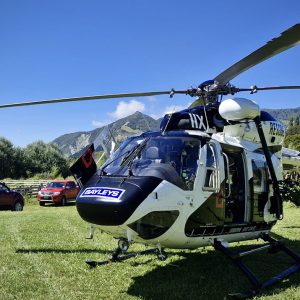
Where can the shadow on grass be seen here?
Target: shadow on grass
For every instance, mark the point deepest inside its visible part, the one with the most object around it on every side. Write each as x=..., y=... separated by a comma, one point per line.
x=212, y=276
x=291, y=227
x=63, y=251
x=71, y=203
x=5, y=207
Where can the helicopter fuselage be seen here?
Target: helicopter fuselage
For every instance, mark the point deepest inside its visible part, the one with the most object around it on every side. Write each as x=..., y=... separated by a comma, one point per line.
x=185, y=188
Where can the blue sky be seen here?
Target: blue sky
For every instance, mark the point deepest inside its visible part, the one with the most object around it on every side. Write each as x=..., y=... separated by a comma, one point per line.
x=69, y=48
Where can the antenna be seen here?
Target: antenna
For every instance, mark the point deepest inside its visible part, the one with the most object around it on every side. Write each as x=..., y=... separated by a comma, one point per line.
x=169, y=120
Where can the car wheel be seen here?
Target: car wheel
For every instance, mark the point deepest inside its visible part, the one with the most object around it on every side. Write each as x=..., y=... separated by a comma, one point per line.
x=63, y=201
x=42, y=203
x=18, y=206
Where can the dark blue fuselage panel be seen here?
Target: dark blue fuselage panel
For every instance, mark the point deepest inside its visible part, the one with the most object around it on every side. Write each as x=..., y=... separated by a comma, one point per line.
x=112, y=200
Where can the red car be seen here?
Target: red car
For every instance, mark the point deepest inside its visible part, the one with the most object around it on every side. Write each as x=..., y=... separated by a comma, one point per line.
x=10, y=199
x=58, y=192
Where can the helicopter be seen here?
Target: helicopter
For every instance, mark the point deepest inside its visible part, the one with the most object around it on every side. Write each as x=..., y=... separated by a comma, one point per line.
x=209, y=177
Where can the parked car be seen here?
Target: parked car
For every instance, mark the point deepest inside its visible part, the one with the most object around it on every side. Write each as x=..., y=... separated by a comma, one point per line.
x=58, y=192
x=10, y=199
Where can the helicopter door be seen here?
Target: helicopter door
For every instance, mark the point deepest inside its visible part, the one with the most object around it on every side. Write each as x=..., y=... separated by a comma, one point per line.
x=235, y=184
x=212, y=211
x=259, y=189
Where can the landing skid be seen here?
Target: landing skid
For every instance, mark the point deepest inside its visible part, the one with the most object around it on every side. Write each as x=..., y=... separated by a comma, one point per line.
x=274, y=246
x=116, y=257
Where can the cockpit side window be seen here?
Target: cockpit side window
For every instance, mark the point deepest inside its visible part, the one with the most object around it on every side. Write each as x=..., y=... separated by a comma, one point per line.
x=211, y=174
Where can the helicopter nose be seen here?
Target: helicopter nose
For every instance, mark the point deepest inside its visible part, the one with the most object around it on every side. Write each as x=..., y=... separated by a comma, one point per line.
x=112, y=200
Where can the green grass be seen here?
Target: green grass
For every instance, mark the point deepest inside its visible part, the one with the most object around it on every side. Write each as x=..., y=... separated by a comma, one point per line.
x=43, y=252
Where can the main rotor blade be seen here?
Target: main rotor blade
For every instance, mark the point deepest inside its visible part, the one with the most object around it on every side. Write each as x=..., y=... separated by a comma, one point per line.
x=85, y=98
x=253, y=89
x=287, y=39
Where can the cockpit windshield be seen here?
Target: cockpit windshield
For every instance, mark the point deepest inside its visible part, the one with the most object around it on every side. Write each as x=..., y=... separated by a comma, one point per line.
x=171, y=158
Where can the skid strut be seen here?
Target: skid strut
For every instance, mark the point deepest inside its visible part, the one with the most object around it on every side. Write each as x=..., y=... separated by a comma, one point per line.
x=116, y=257
x=273, y=245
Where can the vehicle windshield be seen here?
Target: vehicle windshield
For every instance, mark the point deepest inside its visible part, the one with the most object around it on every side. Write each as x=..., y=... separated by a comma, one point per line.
x=55, y=185
x=172, y=158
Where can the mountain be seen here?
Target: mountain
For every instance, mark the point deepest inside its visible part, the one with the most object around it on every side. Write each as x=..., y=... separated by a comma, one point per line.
x=73, y=144
x=284, y=115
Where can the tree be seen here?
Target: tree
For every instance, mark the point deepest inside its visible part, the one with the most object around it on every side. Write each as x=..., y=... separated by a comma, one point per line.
x=47, y=159
x=293, y=130
x=19, y=166
x=292, y=141
x=36, y=158
x=292, y=138
x=291, y=122
x=6, y=158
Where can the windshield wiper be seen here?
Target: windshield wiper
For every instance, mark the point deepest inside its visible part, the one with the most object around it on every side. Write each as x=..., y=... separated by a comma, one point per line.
x=129, y=156
x=128, y=159
x=102, y=172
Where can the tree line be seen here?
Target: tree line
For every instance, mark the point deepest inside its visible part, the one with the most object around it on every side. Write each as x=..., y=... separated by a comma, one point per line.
x=292, y=138
x=37, y=159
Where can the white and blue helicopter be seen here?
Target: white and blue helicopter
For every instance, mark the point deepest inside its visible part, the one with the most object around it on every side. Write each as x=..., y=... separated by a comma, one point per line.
x=210, y=176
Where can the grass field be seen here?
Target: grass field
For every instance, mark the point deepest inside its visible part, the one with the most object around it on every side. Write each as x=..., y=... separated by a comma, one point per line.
x=43, y=252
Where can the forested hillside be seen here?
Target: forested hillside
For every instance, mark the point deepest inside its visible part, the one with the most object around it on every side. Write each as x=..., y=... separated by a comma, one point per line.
x=284, y=115
x=292, y=138
x=73, y=144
